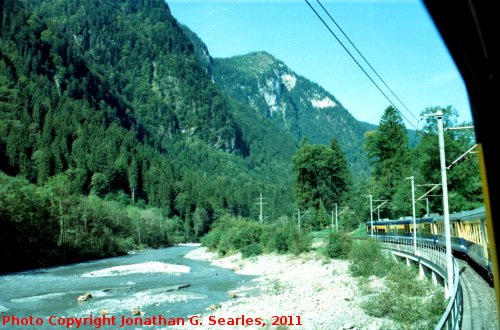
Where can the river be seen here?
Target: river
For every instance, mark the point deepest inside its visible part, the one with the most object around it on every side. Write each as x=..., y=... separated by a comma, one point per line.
x=142, y=281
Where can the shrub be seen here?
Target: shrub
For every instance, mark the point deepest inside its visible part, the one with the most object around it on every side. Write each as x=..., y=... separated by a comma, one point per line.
x=339, y=245
x=251, y=238
x=410, y=302
x=298, y=241
x=251, y=250
x=402, y=279
x=416, y=312
x=275, y=239
x=367, y=259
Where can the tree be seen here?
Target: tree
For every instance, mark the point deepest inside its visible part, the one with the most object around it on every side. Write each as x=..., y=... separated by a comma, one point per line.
x=133, y=175
x=464, y=180
x=321, y=175
x=388, y=150
x=200, y=220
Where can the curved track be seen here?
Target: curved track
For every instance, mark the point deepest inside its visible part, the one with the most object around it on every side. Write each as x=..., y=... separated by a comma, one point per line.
x=480, y=309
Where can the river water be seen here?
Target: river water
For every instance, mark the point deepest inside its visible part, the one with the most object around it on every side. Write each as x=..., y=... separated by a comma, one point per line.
x=119, y=285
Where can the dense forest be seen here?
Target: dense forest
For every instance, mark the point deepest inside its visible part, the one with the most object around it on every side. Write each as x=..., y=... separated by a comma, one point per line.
x=393, y=162
x=119, y=131
x=110, y=98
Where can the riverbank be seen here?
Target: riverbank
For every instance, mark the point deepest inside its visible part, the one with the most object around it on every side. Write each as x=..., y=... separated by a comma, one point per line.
x=321, y=292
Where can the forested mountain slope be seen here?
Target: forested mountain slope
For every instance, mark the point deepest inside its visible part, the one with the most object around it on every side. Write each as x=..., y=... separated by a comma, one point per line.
x=107, y=105
x=111, y=95
x=293, y=102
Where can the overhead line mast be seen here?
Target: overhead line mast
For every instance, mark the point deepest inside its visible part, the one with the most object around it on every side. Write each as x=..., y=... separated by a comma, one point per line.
x=359, y=65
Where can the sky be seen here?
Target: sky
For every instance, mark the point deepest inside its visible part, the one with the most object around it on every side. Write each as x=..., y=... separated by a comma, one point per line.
x=398, y=38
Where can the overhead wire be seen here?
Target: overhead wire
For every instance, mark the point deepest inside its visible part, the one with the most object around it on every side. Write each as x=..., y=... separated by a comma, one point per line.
x=359, y=65
x=366, y=61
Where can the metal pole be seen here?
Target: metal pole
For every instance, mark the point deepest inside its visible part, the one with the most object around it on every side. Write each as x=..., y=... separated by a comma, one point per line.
x=336, y=218
x=331, y=218
x=378, y=213
x=298, y=217
x=446, y=211
x=371, y=213
x=260, y=215
x=414, y=220
x=427, y=208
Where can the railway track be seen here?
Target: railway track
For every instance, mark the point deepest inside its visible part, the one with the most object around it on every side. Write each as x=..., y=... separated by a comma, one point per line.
x=480, y=309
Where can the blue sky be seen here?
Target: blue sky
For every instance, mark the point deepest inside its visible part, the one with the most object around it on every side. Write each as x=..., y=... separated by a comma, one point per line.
x=397, y=37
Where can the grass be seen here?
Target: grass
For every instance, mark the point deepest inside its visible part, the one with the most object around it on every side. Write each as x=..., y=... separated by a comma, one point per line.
x=360, y=232
x=321, y=233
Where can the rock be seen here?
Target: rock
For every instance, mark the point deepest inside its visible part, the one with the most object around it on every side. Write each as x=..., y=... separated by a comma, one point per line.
x=118, y=288
x=169, y=288
x=85, y=297
x=137, y=311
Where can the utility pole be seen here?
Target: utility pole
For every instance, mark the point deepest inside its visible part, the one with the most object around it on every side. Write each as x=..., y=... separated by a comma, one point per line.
x=331, y=225
x=339, y=213
x=427, y=207
x=446, y=211
x=299, y=216
x=413, y=214
x=371, y=213
x=261, y=204
x=379, y=206
x=336, y=218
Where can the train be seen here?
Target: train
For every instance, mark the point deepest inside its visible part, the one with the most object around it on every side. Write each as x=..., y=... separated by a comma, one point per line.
x=469, y=233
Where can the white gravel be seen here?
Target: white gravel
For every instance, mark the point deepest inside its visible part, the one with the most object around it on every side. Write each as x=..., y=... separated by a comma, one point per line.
x=321, y=292
x=142, y=268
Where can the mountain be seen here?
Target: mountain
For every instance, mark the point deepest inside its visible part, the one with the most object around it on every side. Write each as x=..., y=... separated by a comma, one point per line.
x=113, y=95
x=114, y=116
x=293, y=102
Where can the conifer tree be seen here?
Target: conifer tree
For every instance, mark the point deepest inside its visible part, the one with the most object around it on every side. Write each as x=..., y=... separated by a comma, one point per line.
x=388, y=150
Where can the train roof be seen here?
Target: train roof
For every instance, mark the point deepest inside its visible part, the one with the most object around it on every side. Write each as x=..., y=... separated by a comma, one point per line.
x=464, y=215
x=399, y=222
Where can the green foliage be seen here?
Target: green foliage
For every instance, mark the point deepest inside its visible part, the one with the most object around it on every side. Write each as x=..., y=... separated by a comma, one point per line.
x=360, y=231
x=406, y=300
x=367, y=259
x=322, y=175
x=251, y=238
x=387, y=147
x=129, y=114
x=49, y=225
x=388, y=150
x=464, y=179
x=339, y=245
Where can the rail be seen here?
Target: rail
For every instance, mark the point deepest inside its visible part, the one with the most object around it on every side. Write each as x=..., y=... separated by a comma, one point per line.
x=435, y=257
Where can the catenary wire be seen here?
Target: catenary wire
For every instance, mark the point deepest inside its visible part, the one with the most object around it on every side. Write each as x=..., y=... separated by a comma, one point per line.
x=366, y=61
x=359, y=65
